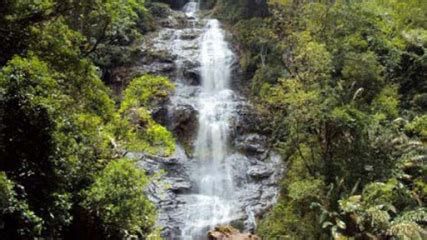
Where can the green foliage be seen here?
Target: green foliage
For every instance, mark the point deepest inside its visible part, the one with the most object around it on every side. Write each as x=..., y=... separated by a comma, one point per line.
x=260, y=57
x=362, y=71
x=30, y=78
x=418, y=126
x=58, y=147
x=6, y=192
x=82, y=80
x=233, y=10
x=59, y=128
x=146, y=91
x=338, y=82
x=305, y=189
x=159, y=9
x=144, y=134
x=343, y=89
x=116, y=199
x=387, y=102
x=16, y=210
x=37, y=146
x=375, y=211
x=385, y=193
x=56, y=36
x=291, y=217
x=109, y=29
x=103, y=26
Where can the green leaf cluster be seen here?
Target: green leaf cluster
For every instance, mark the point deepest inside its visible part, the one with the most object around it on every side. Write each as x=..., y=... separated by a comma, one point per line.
x=115, y=199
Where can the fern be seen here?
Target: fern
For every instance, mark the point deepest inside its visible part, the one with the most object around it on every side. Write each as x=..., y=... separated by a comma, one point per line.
x=418, y=215
x=408, y=225
x=407, y=231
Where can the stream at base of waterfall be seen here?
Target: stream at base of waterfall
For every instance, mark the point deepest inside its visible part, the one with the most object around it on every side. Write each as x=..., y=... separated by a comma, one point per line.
x=230, y=177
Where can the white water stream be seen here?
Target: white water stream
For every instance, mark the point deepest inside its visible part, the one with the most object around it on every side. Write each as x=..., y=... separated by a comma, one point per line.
x=213, y=202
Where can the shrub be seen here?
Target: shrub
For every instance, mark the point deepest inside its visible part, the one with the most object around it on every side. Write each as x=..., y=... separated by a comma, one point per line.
x=117, y=199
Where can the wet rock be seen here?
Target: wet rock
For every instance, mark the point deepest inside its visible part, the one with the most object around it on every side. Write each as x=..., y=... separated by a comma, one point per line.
x=183, y=122
x=190, y=64
x=251, y=144
x=158, y=62
x=238, y=162
x=161, y=160
x=160, y=113
x=248, y=120
x=190, y=70
x=179, y=185
x=260, y=172
x=230, y=233
x=167, y=18
x=192, y=46
x=192, y=77
x=182, y=116
x=157, y=57
x=169, y=22
x=158, y=68
x=190, y=35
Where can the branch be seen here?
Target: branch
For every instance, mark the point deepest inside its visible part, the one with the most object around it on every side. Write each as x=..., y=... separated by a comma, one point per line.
x=98, y=41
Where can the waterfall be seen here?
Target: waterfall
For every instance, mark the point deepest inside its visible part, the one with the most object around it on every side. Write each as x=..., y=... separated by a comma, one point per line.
x=213, y=202
x=227, y=177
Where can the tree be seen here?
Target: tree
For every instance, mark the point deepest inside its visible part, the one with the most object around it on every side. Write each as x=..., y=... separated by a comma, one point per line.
x=115, y=199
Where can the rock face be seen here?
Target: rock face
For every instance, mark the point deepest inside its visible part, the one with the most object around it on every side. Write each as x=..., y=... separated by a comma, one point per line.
x=260, y=172
x=248, y=120
x=251, y=144
x=182, y=117
x=182, y=120
x=192, y=76
x=230, y=233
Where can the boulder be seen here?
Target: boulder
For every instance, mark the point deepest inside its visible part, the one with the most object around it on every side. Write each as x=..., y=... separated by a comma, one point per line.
x=260, y=172
x=230, y=233
x=182, y=116
x=190, y=71
x=178, y=184
x=169, y=22
x=248, y=120
x=252, y=144
x=190, y=35
x=190, y=63
x=182, y=121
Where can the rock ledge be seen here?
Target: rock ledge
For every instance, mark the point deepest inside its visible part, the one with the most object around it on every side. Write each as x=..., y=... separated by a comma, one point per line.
x=229, y=233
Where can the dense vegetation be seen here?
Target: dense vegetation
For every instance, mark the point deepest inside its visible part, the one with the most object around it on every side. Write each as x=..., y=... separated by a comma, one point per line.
x=341, y=86
x=345, y=85
x=62, y=136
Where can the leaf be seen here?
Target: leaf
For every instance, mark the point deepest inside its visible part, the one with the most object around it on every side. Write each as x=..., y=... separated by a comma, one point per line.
x=341, y=224
x=326, y=225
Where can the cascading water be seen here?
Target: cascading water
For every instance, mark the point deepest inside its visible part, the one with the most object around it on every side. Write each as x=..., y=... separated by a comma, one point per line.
x=213, y=204
x=228, y=176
